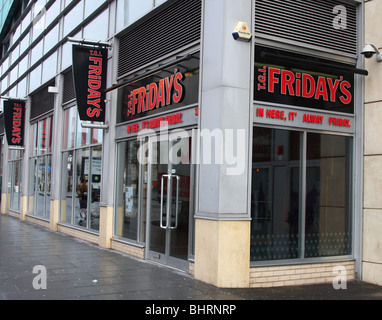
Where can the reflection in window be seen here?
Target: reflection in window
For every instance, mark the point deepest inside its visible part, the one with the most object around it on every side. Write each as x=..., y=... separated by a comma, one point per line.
x=77, y=136
x=275, y=195
x=81, y=187
x=328, y=190
x=40, y=169
x=277, y=231
x=67, y=187
x=81, y=173
x=128, y=212
x=14, y=184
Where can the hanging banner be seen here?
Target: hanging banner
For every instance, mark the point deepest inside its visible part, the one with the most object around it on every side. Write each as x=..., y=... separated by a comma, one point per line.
x=14, y=119
x=90, y=72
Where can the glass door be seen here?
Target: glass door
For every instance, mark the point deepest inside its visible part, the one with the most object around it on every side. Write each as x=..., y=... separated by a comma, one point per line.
x=170, y=197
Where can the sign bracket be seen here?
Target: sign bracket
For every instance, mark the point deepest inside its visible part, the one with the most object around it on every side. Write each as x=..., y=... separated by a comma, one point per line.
x=15, y=148
x=10, y=98
x=90, y=42
x=95, y=126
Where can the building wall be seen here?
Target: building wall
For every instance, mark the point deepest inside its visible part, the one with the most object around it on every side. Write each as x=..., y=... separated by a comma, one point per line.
x=296, y=275
x=372, y=213
x=39, y=53
x=39, y=49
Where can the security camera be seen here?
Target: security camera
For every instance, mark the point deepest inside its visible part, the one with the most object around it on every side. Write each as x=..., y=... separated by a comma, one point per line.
x=370, y=50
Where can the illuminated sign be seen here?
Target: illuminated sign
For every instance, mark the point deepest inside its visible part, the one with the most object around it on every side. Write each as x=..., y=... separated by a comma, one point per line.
x=304, y=85
x=284, y=78
x=156, y=94
x=162, y=90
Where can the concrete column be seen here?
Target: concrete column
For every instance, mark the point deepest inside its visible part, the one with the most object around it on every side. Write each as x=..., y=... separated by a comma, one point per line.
x=58, y=117
x=109, y=160
x=28, y=137
x=222, y=230
x=106, y=226
x=372, y=202
x=5, y=179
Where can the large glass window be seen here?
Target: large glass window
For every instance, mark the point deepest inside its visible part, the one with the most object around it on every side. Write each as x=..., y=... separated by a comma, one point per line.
x=301, y=195
x=275, y=194
x=129, y=186
x=40, y=168
x=15, y=179
x=81, y=173
x=328, y=196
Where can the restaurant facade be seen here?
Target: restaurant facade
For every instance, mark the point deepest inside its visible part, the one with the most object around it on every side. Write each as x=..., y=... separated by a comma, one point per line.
x=224, y=138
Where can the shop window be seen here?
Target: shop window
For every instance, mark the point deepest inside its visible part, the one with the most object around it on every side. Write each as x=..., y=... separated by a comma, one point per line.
x=81, y=187
x=328, y=189
x=40, y=168
x=81, y=173
x=289, y=222
x=15, y=179
x=129, y=186
x=275, y=194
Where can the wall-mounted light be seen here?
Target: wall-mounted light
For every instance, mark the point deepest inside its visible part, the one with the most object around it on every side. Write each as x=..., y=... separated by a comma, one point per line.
x=370, y=50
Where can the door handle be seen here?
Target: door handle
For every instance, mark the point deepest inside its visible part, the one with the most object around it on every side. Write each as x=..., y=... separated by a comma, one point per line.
x=176, y=203
x=168, y=204
x=161, y=202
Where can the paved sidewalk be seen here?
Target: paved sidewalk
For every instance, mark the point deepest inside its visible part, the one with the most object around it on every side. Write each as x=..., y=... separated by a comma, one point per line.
x=77, y=270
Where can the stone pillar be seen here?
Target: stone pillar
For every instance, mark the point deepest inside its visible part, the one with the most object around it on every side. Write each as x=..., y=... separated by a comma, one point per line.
x=222, y=225
x=372, y=202
x=56, y=164
x=109, y=161
x=106, y=226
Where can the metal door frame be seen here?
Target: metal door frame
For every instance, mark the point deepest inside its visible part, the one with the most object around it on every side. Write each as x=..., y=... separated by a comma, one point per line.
x=166, y=259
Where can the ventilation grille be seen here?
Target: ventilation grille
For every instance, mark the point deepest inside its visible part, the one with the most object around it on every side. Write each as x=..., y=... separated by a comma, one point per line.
x=69, y=91
x=173, y=28
x=307, y=22
x=42, y=102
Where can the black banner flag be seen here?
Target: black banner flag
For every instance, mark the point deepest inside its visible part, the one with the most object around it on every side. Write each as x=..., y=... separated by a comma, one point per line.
x=90, y=72
x=14, y=118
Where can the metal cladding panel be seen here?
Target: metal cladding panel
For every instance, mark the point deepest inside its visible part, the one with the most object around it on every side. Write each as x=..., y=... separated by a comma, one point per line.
x=171, y=29
x=309, y=23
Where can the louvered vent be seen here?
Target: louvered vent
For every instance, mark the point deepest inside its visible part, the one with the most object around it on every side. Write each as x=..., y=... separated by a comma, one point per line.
x=42, y=102
x=308, y=23
x=69, y=91
x=173, y=28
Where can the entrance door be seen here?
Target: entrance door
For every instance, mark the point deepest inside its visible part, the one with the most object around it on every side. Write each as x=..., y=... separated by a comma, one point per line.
x=170, y=200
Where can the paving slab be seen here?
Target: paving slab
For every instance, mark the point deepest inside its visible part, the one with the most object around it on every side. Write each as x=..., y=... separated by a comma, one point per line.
x=78, y=270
